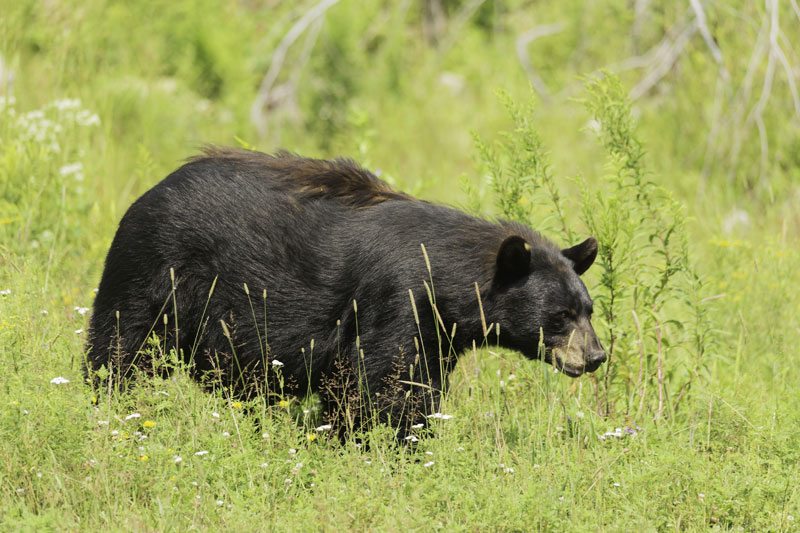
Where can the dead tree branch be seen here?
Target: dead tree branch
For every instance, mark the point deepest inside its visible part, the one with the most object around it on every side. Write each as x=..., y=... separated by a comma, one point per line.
x=523, y=41
x=716, y=53
x=667, y=57
x=266, y=97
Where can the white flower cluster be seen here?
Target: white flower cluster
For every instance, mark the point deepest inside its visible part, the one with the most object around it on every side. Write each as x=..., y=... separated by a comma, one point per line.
x=45, y=126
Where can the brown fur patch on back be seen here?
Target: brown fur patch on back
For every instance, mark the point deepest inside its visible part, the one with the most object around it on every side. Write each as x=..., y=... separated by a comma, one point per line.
x=342, y=179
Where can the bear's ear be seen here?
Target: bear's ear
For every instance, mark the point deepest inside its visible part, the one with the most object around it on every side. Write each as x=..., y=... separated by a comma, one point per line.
x=513, y=258
x=582, y=255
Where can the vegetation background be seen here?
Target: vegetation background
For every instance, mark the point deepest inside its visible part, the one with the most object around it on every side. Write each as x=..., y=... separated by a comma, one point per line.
x=671, y=130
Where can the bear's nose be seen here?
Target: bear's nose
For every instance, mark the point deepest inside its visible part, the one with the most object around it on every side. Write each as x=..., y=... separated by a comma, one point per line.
x=594, y=360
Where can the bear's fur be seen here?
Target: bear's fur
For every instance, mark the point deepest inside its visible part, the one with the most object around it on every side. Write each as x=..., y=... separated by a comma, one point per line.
x=349, y=297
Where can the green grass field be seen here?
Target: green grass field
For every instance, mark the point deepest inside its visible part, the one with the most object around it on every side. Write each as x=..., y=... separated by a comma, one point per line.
x=683, y=159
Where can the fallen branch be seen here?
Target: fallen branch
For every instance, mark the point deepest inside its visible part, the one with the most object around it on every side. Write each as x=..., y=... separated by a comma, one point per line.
x=716, y=53
x=265, y=96
x=666, y=61
x=526, y=39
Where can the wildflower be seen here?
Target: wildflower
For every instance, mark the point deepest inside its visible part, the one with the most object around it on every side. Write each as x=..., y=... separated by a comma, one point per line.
x=78, y=331
x=428, y=453
x=149, y=424
x=102, y=422
x=5, y=292
x=324, y=427
x=616, y=484
x=144, y=458
x=132, y=416
x=73, y=169
x=177, y=459
x=201, y=453
x=59, y=381
x=417, y=426
x=311, y=437
x=236, y=405
x=114, y=433
x=276, y=363
x=428, y=464
x=44, y=312
x=412, y=438
x=292, y=451
x=86, y=118
x=283, y=404
x=264, y=465
x=81, y=310
x=215, y=414
x=440, y=416
x=65, y=104
x=226, y=434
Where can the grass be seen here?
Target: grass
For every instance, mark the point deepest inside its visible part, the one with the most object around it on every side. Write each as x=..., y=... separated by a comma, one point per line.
x=525, y=448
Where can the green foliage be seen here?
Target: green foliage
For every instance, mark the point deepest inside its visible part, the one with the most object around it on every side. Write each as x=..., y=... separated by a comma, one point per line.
x=698, y=265
x=647, y=282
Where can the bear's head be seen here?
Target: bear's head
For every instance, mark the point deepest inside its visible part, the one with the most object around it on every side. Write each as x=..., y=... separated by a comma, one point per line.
x=539, y=300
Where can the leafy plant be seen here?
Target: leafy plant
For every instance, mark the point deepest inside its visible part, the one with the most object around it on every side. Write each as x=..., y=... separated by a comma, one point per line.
x=647, y=282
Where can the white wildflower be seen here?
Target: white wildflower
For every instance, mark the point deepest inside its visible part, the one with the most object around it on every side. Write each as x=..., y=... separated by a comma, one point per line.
x=59, y=381
x=72, y=169
x=78, y=331
x=201, y=453
x=66, y=104
x=440, y=416
x=324, y=427
x=81, y=310
x=276, y=363
x=87, y=118
x=133, y=416
x=177, y=459
x=5, y=292
x=412, y=438
x=428, y=464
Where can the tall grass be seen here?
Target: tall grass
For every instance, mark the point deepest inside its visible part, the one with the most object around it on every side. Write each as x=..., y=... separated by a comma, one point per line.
x=692, y=424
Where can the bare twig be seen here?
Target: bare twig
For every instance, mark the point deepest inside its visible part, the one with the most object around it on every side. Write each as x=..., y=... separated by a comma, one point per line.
x=666, y=61
x=265, y=96
x=526, y=39
x=640, y=8
x=757, y=113
x=458, y=22
x=716, y=53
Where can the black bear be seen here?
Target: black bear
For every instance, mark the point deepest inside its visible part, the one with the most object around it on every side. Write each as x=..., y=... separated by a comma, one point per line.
x=280, y=271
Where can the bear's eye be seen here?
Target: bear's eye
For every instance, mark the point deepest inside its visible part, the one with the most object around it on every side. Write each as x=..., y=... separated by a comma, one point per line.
x=566, y=314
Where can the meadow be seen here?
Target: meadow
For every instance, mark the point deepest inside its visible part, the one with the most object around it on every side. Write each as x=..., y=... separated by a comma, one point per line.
x=669, y=130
